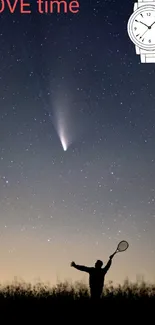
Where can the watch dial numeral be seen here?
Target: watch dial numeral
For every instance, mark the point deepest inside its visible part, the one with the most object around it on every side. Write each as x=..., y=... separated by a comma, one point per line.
x=148, y=13
x=149, y=40
x=135, y=28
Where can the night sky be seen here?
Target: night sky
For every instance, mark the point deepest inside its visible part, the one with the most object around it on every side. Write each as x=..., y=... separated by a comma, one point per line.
x=74, y=82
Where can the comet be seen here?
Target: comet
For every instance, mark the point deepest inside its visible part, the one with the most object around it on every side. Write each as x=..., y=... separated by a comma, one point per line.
x=63, y=140
x=65, y=118
x=61, y=125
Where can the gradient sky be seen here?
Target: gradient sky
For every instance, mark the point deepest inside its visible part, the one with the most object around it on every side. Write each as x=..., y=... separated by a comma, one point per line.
x=75, y=78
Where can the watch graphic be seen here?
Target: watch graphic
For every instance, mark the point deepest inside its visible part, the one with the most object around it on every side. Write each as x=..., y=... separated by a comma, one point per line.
x=141, y=30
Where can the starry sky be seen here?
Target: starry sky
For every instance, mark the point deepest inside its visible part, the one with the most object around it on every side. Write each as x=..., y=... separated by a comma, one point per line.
x=74, y=80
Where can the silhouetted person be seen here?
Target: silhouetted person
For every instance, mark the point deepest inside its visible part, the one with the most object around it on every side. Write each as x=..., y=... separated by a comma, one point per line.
x=96, y=276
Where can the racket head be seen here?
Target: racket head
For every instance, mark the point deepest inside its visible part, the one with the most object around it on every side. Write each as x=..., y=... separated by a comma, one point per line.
x=122, y=246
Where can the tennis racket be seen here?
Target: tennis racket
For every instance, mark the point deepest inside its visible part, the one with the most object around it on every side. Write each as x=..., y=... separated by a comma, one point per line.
x=122, y=246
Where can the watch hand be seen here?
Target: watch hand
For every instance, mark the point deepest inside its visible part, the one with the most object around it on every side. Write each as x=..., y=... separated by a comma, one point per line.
x=148, y=27
x=144, y=24
x=144, y=32
x=152, y=24
x=138, y=21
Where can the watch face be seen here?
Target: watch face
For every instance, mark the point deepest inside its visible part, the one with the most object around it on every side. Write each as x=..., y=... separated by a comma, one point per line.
x=141, y=27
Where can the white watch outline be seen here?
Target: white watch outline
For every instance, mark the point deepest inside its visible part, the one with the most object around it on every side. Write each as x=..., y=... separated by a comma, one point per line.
x=143, y=8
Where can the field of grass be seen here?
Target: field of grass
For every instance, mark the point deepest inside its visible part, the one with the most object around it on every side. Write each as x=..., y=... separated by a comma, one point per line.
x=26, y=303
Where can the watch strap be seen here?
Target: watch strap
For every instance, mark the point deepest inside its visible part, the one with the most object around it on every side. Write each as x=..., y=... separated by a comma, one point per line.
x=146, y=1
x=147, y=58
x=141, y=3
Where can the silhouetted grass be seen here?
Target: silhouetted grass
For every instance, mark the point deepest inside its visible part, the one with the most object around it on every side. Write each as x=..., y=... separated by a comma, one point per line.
x=30, y=303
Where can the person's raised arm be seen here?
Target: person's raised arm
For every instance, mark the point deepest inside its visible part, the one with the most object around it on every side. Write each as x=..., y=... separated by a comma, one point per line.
x=80, y=267
x=106, y=268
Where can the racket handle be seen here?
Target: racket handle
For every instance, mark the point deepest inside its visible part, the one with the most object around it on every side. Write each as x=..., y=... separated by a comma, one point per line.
x=111, y=256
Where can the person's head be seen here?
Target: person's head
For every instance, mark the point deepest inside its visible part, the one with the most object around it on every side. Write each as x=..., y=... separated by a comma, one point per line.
x=98, y=264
